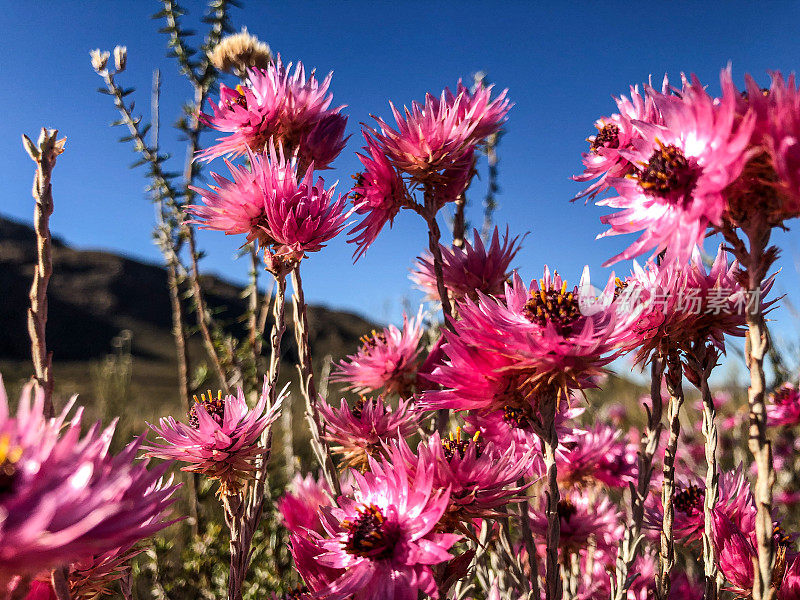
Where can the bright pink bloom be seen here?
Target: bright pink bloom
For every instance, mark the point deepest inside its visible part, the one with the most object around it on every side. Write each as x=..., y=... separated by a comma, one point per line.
x=682, y=304
x=434, y=137
x=384, y=536
x=481, y=478
x=597, y=457
x=379, y=193
x=539, y=340
x=63, y=497
x=279, y=105
x=582, y=518
x=470, y=269
x=386, y=360
x=784, y=407
x=361, y=431
x=220, y=439
x=300, y=507
x=615, y=134
x=267, y=203
x=682, y=170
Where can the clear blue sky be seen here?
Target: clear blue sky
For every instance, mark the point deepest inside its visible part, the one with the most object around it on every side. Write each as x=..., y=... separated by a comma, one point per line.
x=561, y=64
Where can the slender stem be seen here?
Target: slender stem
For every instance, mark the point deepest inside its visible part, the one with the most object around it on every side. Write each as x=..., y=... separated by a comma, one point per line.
x=305, y=368
x=527, y=541
x=459, y=221
x=252, y=314
x=549, y=437
x=45, y=157
x=59, y=579
x=234, y=511
x=629, y=548
x=667, y=556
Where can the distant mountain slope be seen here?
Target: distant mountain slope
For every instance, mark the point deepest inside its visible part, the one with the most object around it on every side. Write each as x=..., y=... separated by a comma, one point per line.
x=95, y=295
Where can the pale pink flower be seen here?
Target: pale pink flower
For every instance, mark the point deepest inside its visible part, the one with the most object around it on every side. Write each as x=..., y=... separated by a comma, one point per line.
x=280, y=105
x=64, y=497
x=481, y=478
x=784, y=407
x=682, y=170
x=387, y=360
x=470, y=269
x=383, y=538
x=220, y=439
x=360, y=432
x=299, y=507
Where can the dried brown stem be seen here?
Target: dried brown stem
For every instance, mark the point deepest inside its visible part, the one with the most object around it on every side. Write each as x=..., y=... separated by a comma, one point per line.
x=667, y=554
x=44, y=154
x=459, y=221
x=549, y=437
x=306, y=371
x=630, y=546
x=527, y=541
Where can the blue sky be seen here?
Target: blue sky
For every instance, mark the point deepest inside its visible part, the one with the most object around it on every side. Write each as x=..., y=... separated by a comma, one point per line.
x=561, y=62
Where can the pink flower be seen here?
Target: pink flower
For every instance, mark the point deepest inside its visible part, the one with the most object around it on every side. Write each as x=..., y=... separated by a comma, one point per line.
x=769, y=187
x=481, y=478
x=63, y=497
x=682, y=304
x=383, y=538
x=379, y=193
x=682, y=170
x=784, y=407
x=267, y=203
x=582, y=519
x=434, y=137
x=386, y=360
x=220, y=439
x=597, y=457
x=279, y=105
x=300, y=507
x=616, y=134
x=538, y=340
x=470, y=269
x=360, y=432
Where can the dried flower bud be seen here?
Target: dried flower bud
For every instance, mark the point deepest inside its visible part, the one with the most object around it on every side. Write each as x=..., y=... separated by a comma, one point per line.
x=99, y=59
x=120, y=58
x=239, y=52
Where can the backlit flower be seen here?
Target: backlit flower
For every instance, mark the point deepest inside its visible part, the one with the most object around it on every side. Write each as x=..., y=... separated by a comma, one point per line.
x=299, y=507
x=682, y=169
x=597, y=457
x=220, y=438
x=784, y=407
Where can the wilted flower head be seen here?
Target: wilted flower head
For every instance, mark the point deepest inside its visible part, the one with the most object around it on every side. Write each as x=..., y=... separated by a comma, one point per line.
x=387, y=360
x=220, y=438
x=784, y=407
x=275, y=104
x=470, y=269
x=299, y=507
x=240, y=52
x=482, y=479
x=266, y=202
x=361, y=431
x=65, y=498
x=383, y=538
x=583, y=517
x=683, y=167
